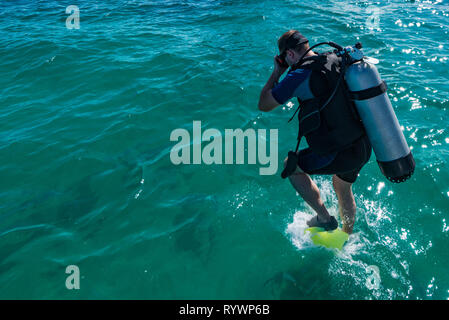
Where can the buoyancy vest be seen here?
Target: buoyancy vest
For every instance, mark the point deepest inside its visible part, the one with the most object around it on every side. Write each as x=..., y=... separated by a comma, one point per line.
x=336, y=126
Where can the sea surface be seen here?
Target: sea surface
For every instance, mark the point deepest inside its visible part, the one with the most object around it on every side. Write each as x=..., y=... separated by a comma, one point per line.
x=86, y=177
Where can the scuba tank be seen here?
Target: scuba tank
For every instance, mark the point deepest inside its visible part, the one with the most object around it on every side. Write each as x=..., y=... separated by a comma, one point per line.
x=368, y=93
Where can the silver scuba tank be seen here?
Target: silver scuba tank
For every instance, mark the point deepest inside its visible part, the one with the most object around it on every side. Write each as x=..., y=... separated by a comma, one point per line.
x=368, y=92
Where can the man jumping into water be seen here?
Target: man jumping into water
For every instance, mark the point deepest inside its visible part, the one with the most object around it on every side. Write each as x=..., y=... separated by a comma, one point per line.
x=344, y=164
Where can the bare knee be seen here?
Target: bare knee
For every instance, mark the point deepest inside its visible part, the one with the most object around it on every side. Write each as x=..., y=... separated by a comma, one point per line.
x=340, y=185
x=344, y=194
x=347, y=202
x=342, y=188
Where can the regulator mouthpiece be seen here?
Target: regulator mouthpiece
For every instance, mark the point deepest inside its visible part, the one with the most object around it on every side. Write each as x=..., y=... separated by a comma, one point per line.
x=281, y=62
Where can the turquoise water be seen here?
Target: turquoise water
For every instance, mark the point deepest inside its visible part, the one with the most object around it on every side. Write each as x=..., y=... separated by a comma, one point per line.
x=85, y=171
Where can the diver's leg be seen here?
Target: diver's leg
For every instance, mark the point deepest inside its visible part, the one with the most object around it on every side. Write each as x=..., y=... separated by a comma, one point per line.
x=310, y=193
x=346, y=203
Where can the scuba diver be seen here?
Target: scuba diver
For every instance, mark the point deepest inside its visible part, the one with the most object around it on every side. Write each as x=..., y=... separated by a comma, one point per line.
x=341, y=126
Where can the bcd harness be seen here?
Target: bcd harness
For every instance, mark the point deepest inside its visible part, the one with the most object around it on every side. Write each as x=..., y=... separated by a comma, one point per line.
x=329, y=121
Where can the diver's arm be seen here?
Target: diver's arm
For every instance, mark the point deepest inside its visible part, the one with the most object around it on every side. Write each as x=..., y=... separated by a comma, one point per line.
x=266, y=100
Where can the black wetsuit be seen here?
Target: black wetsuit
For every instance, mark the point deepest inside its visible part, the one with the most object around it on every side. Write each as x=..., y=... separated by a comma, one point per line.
x=347, y=163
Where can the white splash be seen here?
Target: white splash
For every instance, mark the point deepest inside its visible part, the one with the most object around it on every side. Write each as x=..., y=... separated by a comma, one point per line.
x=296, y=230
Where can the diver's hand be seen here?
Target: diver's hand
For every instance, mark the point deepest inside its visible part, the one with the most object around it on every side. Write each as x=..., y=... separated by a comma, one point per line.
x=278, y=69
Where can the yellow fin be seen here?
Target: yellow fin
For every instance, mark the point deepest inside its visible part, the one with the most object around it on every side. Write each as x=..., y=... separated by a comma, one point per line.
x=329, y=239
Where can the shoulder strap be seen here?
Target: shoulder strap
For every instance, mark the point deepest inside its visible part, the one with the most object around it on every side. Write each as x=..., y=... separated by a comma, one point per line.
x=313, y=62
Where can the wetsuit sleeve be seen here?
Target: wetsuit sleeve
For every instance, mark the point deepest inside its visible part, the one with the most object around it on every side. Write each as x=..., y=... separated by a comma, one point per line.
x=285, y=89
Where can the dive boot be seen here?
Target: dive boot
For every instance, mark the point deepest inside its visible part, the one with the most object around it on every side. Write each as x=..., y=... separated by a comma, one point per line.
x=328, y=226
